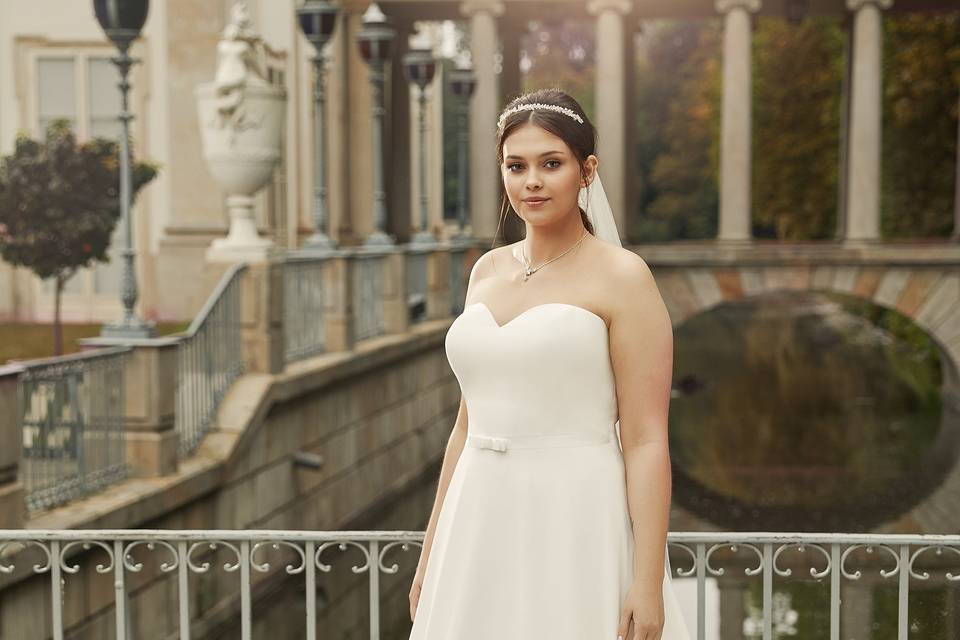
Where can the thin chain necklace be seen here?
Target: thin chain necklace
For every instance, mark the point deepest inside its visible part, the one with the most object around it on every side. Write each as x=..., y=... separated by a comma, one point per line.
x=529, y=271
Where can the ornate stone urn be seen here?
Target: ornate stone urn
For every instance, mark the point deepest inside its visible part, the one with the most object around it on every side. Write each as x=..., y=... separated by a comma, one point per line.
x=241, y=125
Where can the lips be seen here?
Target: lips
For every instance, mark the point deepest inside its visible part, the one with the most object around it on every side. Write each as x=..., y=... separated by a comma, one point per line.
x=534, y=200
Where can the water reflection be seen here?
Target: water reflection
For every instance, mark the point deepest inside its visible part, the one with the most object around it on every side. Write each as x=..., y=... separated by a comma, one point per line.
x=806, y=411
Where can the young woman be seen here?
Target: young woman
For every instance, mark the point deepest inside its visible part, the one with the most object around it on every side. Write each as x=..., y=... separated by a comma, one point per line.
x=552, y=509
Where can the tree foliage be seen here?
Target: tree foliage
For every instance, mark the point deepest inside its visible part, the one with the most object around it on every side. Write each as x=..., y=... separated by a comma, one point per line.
x=59, y=203
x=678, y=122
x=921, y=87
x=797, y=76
x=798, y=82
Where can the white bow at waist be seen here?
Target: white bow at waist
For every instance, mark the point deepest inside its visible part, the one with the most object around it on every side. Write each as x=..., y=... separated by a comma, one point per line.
x=501, y=443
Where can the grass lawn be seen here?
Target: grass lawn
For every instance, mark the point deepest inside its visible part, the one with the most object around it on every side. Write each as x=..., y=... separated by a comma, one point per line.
x=28, y=341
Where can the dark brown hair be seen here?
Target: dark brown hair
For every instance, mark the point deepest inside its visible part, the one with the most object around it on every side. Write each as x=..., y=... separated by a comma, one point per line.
x=581, y=138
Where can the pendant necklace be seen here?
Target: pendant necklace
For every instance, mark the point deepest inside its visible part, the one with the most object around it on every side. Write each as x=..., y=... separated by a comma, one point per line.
x=530, y=270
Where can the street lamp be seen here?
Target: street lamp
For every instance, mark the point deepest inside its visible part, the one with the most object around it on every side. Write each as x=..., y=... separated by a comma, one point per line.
x=462, y=83
x=318, y=19
x=796, y=11
x=374, y=40
x=122, y=21
x=420, y=67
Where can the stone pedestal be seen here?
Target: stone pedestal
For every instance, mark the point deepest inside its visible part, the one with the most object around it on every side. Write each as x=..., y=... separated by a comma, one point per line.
x=261, y=317
x=395, y=314
x=12, y=505
x=438, y=283
x=338, y=308
x=150, y=380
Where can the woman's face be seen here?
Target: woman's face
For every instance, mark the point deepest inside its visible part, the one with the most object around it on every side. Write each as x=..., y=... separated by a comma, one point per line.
x=541, y=175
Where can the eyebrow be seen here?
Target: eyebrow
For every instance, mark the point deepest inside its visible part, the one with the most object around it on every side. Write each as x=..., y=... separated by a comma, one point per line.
x=545, y=153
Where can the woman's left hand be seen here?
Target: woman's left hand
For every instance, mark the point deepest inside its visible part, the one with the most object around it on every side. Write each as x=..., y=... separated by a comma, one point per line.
x=642, y=615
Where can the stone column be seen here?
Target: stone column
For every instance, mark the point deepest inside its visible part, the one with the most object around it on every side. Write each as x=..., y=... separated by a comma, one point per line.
x=735, y=165
x=12, y=506
x=486, y=185
x=261, y=316
x=510, y=82
x=610, y=115
x=863, y=188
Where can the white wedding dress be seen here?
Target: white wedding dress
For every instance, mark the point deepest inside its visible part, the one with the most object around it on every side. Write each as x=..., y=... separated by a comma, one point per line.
x=534, y=538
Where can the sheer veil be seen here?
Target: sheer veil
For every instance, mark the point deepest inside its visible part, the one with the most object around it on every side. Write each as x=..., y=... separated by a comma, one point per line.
x=593, y=199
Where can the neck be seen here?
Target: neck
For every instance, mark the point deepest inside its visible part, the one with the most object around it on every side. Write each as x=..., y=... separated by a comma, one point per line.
x=547, y=241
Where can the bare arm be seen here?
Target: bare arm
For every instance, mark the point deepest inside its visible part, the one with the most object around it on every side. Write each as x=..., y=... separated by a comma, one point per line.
x=641, y=349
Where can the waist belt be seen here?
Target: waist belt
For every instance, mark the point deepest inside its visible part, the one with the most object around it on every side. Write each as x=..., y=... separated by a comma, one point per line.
x=499, y=443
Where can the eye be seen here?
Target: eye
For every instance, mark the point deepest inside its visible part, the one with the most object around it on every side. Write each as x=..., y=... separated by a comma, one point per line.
x=557, y=161
x=510, y=166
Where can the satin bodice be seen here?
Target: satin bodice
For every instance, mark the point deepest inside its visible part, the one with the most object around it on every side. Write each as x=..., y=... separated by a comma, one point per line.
x=548, y=368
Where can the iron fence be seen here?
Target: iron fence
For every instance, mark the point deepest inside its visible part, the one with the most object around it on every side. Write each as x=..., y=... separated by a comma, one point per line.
x=71, y=421
x=830, y=559
x=210, y=359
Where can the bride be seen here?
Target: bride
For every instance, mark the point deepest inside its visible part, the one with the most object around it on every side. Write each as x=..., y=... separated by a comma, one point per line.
x=552, y=507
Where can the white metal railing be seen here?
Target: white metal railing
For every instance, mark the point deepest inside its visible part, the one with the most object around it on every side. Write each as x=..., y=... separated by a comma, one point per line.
x=304, y=301
x=368, y=284
x=835, y=557
x=210, y=358
x=71, y=418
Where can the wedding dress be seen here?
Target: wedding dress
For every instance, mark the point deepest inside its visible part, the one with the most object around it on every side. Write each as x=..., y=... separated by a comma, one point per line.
x=534, y=539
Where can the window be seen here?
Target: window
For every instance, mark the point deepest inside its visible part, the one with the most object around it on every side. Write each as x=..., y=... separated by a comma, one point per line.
x=82, y=87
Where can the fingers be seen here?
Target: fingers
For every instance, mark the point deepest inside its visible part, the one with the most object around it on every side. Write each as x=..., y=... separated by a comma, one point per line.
x=622, y=624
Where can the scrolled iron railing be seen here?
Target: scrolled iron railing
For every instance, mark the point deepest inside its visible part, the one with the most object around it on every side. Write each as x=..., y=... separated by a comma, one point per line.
x=834, y=558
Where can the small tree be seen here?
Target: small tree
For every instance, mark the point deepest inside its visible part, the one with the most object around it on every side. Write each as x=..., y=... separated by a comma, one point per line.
x=59, y=205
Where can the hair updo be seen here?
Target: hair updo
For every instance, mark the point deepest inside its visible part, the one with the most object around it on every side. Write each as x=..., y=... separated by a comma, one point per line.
x=580, y=137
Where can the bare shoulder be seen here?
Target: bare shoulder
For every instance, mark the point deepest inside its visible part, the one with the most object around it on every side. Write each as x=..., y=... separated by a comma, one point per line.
x=627, y=283
x=623, y=270
x=490, y=260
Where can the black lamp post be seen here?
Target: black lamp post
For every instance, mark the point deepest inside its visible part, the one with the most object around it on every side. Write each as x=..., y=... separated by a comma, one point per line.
x=420, y=67
x=462, y=83
x=374, y=40
x=796, y=11
x=122, y=21
x=318, y=19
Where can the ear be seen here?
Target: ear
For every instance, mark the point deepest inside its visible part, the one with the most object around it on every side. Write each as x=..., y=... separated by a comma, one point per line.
x=590, y=166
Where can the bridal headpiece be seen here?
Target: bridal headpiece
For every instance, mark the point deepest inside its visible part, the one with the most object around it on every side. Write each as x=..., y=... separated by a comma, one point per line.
x=539, y=105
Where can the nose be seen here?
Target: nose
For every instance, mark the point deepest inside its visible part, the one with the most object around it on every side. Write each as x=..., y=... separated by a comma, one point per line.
x=533, y=181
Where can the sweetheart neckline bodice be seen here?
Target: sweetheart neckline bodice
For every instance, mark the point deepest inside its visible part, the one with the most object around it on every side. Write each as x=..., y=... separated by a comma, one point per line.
x=528, y=310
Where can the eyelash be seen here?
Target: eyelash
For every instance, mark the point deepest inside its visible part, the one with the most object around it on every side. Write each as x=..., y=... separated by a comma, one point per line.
x=516, y=164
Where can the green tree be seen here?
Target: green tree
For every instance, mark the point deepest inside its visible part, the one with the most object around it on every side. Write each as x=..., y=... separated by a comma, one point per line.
x=59, y=205
x=921, y=85
x=679, y=109
x=797, y=84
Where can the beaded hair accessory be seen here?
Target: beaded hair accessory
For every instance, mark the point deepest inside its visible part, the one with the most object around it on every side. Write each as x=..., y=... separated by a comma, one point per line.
x=539, y=105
